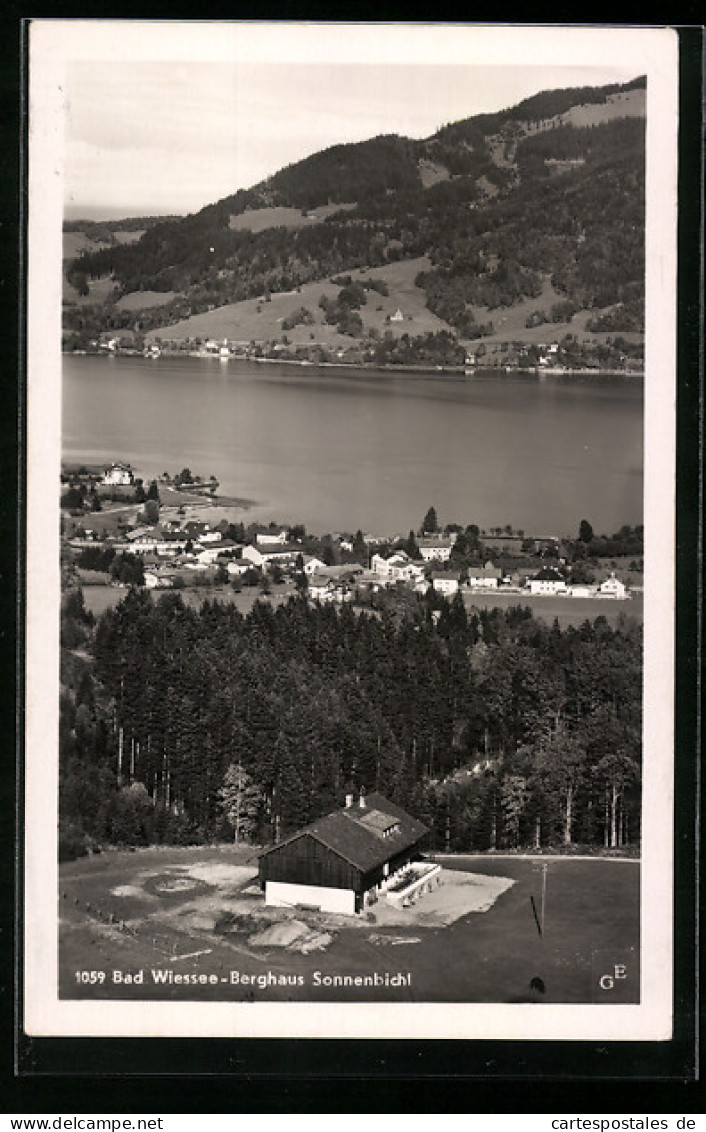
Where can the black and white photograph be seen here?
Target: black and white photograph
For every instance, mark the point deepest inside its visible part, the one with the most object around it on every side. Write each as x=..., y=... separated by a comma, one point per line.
x=350, y=525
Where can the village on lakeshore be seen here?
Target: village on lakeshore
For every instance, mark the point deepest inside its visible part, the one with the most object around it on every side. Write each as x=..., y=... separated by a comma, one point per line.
x=566, y=357
x=316, y=895
x=178, y=534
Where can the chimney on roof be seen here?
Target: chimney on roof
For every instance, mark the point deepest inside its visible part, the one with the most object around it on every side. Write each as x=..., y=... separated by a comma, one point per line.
x=361, y=799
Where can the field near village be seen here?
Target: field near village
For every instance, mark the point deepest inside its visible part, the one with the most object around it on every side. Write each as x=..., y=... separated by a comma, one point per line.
x=567, y=611
x=188, y=924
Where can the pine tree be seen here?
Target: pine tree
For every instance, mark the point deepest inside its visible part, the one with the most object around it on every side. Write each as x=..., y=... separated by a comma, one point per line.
x=430, y=523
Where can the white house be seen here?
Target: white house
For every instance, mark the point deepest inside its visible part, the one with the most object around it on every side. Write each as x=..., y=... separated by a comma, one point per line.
x=580, y=591
x=312, y=565
x=208, y=554
x=385, y=566
x=221, y=349
x=271, y=537
x=484, y=577
x=237, y=566
x=378, y=565
x=263, y=555
x=547, y=581
x=407, y=571
x=120, y=475
x=435, y=549
x=612, y=587
x=320, y=587
x=145, y=540
x=158, y=579
x=397, y=316
x=446, y=584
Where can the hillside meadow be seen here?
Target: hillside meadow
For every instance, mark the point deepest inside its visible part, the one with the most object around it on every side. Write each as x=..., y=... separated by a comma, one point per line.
x=260, y=320
x=198, y=912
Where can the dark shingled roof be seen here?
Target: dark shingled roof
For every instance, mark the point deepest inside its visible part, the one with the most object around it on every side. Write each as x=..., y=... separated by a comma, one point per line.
x=547, y=574
x=358, y=833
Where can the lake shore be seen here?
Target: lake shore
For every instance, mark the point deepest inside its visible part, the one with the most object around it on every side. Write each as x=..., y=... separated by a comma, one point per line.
x=424, y=370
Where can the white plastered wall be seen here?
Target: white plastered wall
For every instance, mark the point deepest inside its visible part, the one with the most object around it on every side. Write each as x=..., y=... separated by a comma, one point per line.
x=282, y=895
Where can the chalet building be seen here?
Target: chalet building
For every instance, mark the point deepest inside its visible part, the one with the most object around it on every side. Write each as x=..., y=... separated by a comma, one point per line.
x=346, y=860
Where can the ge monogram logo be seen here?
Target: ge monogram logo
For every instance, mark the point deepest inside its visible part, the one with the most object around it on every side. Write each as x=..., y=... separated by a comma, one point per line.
x=608, y=981
x=615, y=975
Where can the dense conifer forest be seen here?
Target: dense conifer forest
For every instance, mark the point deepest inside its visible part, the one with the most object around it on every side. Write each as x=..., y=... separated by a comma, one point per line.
x=496, y=729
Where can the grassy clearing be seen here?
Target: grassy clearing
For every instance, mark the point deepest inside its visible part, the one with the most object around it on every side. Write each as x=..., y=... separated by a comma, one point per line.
x=621, y=105
x=256, y=320
x=260, y=321
x=99, y=291
x=197, y=912
x=98, y=598
x=142, y=300
x=509, y=322
x=257, y=220
x=567, y=610
x=73, y=244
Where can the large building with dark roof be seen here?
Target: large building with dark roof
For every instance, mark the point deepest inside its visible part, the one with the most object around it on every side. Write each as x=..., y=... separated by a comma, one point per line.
x=342, y=861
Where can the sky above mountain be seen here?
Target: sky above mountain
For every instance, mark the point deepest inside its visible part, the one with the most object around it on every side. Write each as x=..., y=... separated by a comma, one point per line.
x=165, y=118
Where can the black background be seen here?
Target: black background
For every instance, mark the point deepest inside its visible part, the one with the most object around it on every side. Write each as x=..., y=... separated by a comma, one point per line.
x=231, y=1076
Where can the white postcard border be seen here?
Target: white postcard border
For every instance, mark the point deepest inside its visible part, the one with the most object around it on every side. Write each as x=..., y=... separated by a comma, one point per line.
x=650, y=51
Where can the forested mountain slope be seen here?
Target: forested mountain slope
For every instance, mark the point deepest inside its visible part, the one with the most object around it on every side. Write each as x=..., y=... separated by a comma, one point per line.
x=550, y=190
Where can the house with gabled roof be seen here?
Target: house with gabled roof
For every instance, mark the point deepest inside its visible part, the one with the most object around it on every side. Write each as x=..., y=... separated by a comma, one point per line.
x=548, y=581
x=118, y=474
x=343, y=861
x=612, y=587
x=263, y=555
x=446, y=582
x=435, y=549
x=484, y=576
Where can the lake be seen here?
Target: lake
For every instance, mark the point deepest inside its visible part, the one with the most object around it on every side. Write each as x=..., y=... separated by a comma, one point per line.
x=340, y=449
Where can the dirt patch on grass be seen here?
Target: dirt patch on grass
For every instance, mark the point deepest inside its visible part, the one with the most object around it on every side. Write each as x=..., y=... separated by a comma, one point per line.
x=127, y=891
x=221, y=874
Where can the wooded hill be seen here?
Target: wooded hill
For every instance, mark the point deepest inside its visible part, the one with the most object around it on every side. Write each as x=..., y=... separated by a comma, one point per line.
x=497, y=730
x=552, y=188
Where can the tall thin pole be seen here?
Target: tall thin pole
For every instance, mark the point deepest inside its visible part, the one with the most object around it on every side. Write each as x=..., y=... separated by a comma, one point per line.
x=544, y=893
